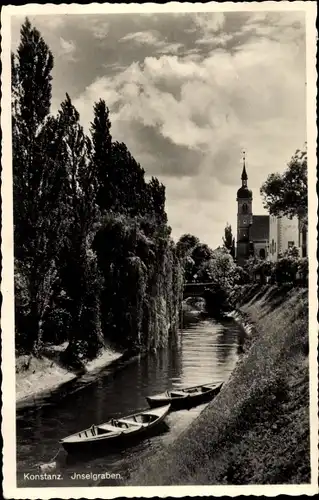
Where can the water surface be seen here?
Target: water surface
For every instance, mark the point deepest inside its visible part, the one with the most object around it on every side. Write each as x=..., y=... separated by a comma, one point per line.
x=206, y=351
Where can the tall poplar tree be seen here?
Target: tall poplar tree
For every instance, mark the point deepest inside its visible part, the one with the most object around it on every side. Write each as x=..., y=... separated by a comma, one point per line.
x=36, y=176
x=157, y=200
x=101, y=155
x=77, y=267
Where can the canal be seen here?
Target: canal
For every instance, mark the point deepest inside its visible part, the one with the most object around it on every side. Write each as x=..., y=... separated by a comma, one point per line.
x=206, y=351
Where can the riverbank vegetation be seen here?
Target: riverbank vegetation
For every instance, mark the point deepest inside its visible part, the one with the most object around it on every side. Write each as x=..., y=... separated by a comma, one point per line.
x=257, y=429
x=94, y=261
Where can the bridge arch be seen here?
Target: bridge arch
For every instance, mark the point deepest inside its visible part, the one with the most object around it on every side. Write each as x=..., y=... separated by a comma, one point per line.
x=196, y=289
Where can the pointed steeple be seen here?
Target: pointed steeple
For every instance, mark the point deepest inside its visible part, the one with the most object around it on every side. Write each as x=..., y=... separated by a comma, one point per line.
x=244, y=175
x=243, y=191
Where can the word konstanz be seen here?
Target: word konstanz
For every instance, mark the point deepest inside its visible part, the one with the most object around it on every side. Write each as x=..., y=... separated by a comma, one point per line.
x=42, y=477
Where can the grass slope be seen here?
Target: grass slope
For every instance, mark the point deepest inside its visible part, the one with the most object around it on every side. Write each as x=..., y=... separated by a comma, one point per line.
x=257, y=430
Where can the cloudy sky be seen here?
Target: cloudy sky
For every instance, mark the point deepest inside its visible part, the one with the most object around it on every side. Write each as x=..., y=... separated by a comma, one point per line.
x=187, y=93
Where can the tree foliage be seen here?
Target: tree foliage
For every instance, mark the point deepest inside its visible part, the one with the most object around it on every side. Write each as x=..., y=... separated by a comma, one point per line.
x=201, y=254
x=101, y=156
x=37, y=177
x=93, y=256
x=186, y=245
x=286, y=194
x=219, y=269
x=229, y=240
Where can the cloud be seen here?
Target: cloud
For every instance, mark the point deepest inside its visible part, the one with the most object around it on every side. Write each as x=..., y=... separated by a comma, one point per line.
x=283, y=28
x=114, y=67
x=170, y=48
x=210, y=21
x=67, y=49
x=100, y=30
x=51, y=22
x=141, y=37
x=186, y=110
x=153, y=38
x=218, y=106
x=215, y=40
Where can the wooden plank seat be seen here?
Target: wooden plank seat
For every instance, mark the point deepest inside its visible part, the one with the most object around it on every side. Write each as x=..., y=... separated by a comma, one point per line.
x=130, y=422
x=177, y=394
x=103, y=428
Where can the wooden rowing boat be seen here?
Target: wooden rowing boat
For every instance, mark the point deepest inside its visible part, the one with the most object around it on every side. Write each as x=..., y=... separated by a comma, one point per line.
x=116, y=431
x=185, y=398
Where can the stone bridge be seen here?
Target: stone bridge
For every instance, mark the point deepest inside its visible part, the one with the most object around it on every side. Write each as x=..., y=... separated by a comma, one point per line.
x=196, y=289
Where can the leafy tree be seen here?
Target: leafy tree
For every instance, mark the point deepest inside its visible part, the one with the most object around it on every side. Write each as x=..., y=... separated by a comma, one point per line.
x=287, y=194
x=188, y=265
x=219, y=269
x=157, y=199
x=92, y=246
x=200, y=254
x=76, y=268
x=229, y=241
x=131, y=194
x=36, y=175
x=101, y=163
x=186, y=244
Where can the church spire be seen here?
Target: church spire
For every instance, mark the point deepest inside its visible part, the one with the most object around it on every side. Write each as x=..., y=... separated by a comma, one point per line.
x=244, y=175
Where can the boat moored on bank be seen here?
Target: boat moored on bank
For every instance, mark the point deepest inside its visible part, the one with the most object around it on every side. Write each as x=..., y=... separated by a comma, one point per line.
x=185, y=398
x=116, y=431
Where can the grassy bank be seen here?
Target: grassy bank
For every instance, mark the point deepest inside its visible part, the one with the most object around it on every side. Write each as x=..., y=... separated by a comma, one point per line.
x=257, y=429
x=46, y=372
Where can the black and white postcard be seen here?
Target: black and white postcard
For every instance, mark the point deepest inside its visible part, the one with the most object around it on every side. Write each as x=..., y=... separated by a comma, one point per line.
x=159, y=274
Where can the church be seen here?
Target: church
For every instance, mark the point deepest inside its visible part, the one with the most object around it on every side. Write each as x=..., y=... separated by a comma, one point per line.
x=252, y=230
x=264, y=236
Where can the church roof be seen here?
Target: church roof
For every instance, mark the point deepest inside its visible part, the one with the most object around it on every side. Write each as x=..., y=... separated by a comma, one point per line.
x=244, y=175
x=260, y=228
x=244, y=192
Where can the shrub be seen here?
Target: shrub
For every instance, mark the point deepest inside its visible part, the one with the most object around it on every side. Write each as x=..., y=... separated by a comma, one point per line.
x=303, y=270
x=285, y=270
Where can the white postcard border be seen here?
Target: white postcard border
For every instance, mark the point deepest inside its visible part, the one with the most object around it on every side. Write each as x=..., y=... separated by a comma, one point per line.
x=7, y=288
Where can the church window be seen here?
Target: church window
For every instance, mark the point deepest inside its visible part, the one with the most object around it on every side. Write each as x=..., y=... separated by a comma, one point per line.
x=245, y=208
x=262, y=253
x=291, y=244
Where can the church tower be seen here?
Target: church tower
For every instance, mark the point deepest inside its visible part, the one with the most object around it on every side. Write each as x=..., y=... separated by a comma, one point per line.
x=244, y=217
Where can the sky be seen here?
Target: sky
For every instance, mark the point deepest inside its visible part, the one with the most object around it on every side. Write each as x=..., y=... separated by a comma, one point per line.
x=188, y=93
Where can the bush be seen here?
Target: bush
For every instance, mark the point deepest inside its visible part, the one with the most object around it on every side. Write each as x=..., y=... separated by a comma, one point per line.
x=303, y=270
x=242, y=277
x=285, y=270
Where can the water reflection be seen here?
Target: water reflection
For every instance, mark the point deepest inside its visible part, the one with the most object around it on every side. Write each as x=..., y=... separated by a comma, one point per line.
x=205, y=351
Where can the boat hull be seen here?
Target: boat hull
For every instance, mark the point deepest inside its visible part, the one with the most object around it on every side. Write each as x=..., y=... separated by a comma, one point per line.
x=104, y=445
x=186, y=402
x=117, y=438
